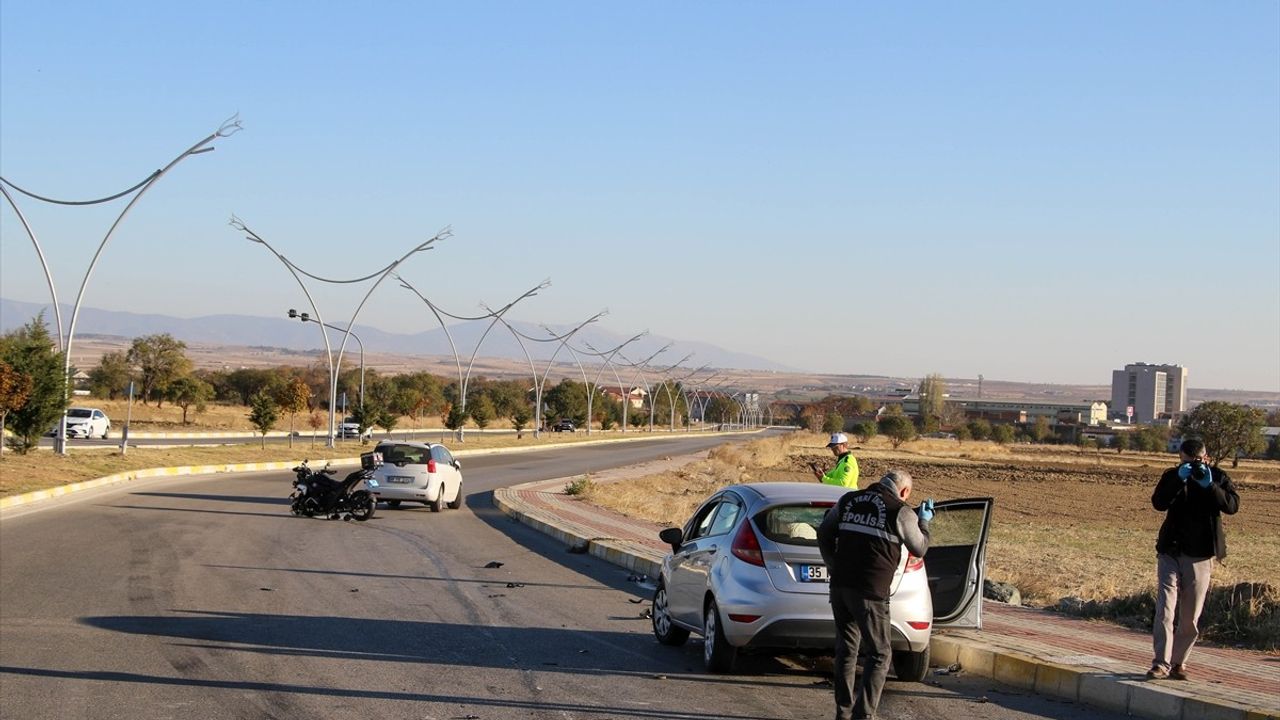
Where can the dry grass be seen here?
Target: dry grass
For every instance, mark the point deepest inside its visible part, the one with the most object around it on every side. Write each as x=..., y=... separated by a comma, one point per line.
x=1066, y=524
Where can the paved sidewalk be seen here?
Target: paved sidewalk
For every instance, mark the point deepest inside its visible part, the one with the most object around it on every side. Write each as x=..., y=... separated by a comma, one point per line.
x=1090, y=662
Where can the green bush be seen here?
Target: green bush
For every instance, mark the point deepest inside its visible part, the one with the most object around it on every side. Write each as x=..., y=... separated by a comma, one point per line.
x=578, y=486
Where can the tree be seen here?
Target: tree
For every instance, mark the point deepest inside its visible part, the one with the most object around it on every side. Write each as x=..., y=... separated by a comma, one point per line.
x=263, y=413
x=963, y=433
x=15, y=388
x=366, y=416
x=160, y=360
x=1002, y=434
x=387, y=419
x=832, y=423
x=111, y=376
x=520, y=417
x=29, y=352
x=189, y=390
x=980, y=429
x=315, y=421
x=864, y=431
x=1226, y=429
x=481, y=409
x=933, y=396
x=454, y=417
x=1120, y=441
x=1040, y=429
x=1152, y=438
x=898, y=429
x=293, y=397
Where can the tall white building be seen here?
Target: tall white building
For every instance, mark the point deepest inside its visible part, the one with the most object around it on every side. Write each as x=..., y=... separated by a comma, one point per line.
x=1153, y=391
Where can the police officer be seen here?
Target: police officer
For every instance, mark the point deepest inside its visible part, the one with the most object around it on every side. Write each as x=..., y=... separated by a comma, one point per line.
x=861, y=540
x=845, y=471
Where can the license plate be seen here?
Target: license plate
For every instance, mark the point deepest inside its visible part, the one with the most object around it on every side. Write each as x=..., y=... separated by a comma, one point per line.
x=399, y=479
x=812, y=573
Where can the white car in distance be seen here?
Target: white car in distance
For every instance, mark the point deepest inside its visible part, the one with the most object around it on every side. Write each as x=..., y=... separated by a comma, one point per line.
x=87, y=423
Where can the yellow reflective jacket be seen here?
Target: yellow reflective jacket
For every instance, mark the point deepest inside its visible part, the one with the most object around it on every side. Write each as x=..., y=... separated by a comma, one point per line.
x=844, y=473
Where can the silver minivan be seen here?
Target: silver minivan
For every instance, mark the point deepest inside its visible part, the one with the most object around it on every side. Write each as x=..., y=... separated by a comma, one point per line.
x=746, y=574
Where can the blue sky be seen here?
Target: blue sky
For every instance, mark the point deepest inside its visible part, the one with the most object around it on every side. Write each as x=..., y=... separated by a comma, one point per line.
x=1023, y=190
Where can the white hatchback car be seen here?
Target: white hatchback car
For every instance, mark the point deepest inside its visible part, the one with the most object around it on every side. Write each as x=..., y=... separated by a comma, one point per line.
x=746, y=574
x=87, y=423
x=417, y=472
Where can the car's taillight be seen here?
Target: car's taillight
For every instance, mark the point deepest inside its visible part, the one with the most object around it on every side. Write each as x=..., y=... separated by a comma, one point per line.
x=917, y=625
x=746, y=547
x=431, y=465
x=914, y=563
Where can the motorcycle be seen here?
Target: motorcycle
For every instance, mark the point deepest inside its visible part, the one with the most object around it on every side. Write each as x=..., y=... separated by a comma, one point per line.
x=315, y=493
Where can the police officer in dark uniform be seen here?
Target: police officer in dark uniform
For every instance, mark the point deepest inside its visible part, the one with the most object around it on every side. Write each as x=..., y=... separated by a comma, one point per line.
x=861, y=540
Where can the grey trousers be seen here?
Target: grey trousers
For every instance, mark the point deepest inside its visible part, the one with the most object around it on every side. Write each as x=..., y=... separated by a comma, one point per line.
x=1183, y=584
x=857, y=620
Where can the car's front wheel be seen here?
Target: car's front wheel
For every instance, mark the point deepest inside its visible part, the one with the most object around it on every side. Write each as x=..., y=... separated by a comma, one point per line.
x=718, y=656
x=663, y=628
x=911, y=666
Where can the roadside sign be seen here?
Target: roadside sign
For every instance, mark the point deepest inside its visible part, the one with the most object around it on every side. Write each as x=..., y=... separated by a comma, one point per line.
x=1128, y=411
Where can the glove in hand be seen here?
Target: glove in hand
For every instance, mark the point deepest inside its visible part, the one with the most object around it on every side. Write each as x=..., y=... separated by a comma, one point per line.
x=1205, y=481
x=926, y=510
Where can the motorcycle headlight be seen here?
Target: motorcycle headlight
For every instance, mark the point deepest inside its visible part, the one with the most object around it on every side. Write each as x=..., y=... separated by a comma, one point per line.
x=302, y=488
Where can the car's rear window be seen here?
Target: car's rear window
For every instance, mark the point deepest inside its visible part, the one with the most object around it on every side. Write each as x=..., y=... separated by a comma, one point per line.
x=79, y=413
x=792, y=524
x=404, y=454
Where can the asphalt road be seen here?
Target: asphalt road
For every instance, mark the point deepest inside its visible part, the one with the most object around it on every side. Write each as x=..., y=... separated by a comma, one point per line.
x=203, y=597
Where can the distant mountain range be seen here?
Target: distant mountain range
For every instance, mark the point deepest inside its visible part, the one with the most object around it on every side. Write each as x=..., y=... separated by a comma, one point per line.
x=249, y=330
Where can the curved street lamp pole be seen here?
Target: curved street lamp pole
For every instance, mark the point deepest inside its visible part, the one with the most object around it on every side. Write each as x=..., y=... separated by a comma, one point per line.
x=306, y=317
x=540, y=384
x=228, y=128
x=492, y=316
x=607, y=364
x=649, y=395
x=335, y=363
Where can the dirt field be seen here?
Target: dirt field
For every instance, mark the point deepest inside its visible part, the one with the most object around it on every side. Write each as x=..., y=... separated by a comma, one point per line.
x=1065, y=524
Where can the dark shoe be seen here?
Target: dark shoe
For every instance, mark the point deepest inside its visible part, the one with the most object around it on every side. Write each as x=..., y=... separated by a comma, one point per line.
x=1178, y=672
x=1157, y=673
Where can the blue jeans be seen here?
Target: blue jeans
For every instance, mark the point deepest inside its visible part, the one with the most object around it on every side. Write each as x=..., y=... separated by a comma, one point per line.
x=859, y=620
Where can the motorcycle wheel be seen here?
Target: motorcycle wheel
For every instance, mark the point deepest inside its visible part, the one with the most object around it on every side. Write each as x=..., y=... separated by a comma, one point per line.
x=362, y=505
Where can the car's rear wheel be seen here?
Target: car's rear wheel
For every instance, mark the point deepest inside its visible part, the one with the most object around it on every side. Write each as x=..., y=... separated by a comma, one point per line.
x=457, y=500
x=393, y=504
x=663, y=628
x=911, y=666
x=105, y=432
x=718, y=656
x=438, y=504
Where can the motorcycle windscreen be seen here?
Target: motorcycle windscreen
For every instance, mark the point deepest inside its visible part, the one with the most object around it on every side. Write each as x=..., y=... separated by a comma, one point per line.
x=956, y=561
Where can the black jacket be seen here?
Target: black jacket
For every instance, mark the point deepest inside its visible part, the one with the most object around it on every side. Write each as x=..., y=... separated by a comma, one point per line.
x=1193, y=514
x=861, y=539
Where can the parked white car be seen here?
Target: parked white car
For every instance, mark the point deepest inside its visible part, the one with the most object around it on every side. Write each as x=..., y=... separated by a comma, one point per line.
x=87, y=423
x=417, y=472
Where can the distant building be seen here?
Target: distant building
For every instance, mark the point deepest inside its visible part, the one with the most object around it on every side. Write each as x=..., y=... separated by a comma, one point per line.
x=1155, y=392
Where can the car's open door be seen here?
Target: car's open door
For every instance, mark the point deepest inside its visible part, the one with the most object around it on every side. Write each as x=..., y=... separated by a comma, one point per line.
x=956, y=561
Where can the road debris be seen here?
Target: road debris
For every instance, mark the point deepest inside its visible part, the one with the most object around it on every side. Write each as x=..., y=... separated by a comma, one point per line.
x=493, y=564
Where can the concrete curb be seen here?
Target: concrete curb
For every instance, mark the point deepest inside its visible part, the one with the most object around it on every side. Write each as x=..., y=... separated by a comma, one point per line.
x=129, y=475
x=1089, y=686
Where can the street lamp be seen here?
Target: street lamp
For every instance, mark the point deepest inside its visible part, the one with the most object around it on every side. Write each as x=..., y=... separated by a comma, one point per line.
x=335, y=362
x=306, y=317
x=228, y=128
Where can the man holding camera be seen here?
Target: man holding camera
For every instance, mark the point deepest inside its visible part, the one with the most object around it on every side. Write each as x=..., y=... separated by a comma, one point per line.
x=1193, y=496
